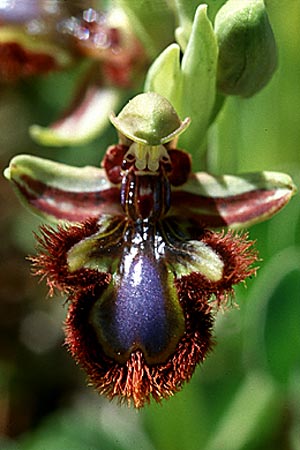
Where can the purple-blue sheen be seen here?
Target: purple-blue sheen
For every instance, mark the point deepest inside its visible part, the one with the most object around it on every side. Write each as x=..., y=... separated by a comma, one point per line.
x=139, y=312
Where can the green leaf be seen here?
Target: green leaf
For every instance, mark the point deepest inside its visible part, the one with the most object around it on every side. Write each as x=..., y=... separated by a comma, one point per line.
x=187, y=408
x=73, y=430
x=272, y=340
x=255, y=405
x=282, y=327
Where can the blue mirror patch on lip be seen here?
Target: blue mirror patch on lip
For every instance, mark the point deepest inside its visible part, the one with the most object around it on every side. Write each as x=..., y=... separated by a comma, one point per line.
x=140, y=311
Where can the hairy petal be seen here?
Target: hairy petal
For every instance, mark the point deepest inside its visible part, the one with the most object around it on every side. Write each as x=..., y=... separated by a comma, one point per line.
x=51, y=261
x=136, y=382
x=238, y=255
x=230, y=260
x=232, y=201
x=61, y=192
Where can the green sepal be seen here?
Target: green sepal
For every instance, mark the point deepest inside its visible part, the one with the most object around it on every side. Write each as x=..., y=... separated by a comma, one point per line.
x=275, y=310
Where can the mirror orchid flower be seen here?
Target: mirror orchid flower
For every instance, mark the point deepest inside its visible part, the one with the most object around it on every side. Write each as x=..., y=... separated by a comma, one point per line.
x=141, y=250
x=39, y=37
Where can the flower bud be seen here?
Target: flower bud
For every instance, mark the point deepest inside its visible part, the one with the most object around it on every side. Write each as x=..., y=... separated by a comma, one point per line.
x=247, y=48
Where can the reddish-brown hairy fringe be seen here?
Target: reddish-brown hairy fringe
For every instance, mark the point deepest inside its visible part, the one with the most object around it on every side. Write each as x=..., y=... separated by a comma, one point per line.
x=238, y=255
x=51, y=261
x=135, y=382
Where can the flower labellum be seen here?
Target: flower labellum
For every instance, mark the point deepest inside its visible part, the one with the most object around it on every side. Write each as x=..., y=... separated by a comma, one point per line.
x=138, y=254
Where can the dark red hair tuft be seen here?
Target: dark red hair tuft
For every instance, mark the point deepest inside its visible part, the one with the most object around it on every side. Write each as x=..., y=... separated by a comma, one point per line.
x=51, y=260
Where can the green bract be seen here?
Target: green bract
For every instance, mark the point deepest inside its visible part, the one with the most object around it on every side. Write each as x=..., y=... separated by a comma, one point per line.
x=149, y=119
x=247, y=48
x=189, y=83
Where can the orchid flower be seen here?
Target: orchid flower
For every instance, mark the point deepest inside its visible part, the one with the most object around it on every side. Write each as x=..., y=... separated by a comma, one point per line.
x=141, y=250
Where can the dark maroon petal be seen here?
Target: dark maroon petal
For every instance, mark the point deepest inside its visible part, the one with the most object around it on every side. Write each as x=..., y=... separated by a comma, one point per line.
x=23, y=54
x=112, y=162
x=181, y=167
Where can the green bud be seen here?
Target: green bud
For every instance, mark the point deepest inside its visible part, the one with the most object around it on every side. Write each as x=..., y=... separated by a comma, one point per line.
x=149, y=119
x=247, y=48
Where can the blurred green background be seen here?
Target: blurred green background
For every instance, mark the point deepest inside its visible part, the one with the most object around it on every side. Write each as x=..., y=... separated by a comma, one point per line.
x=247, y=394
